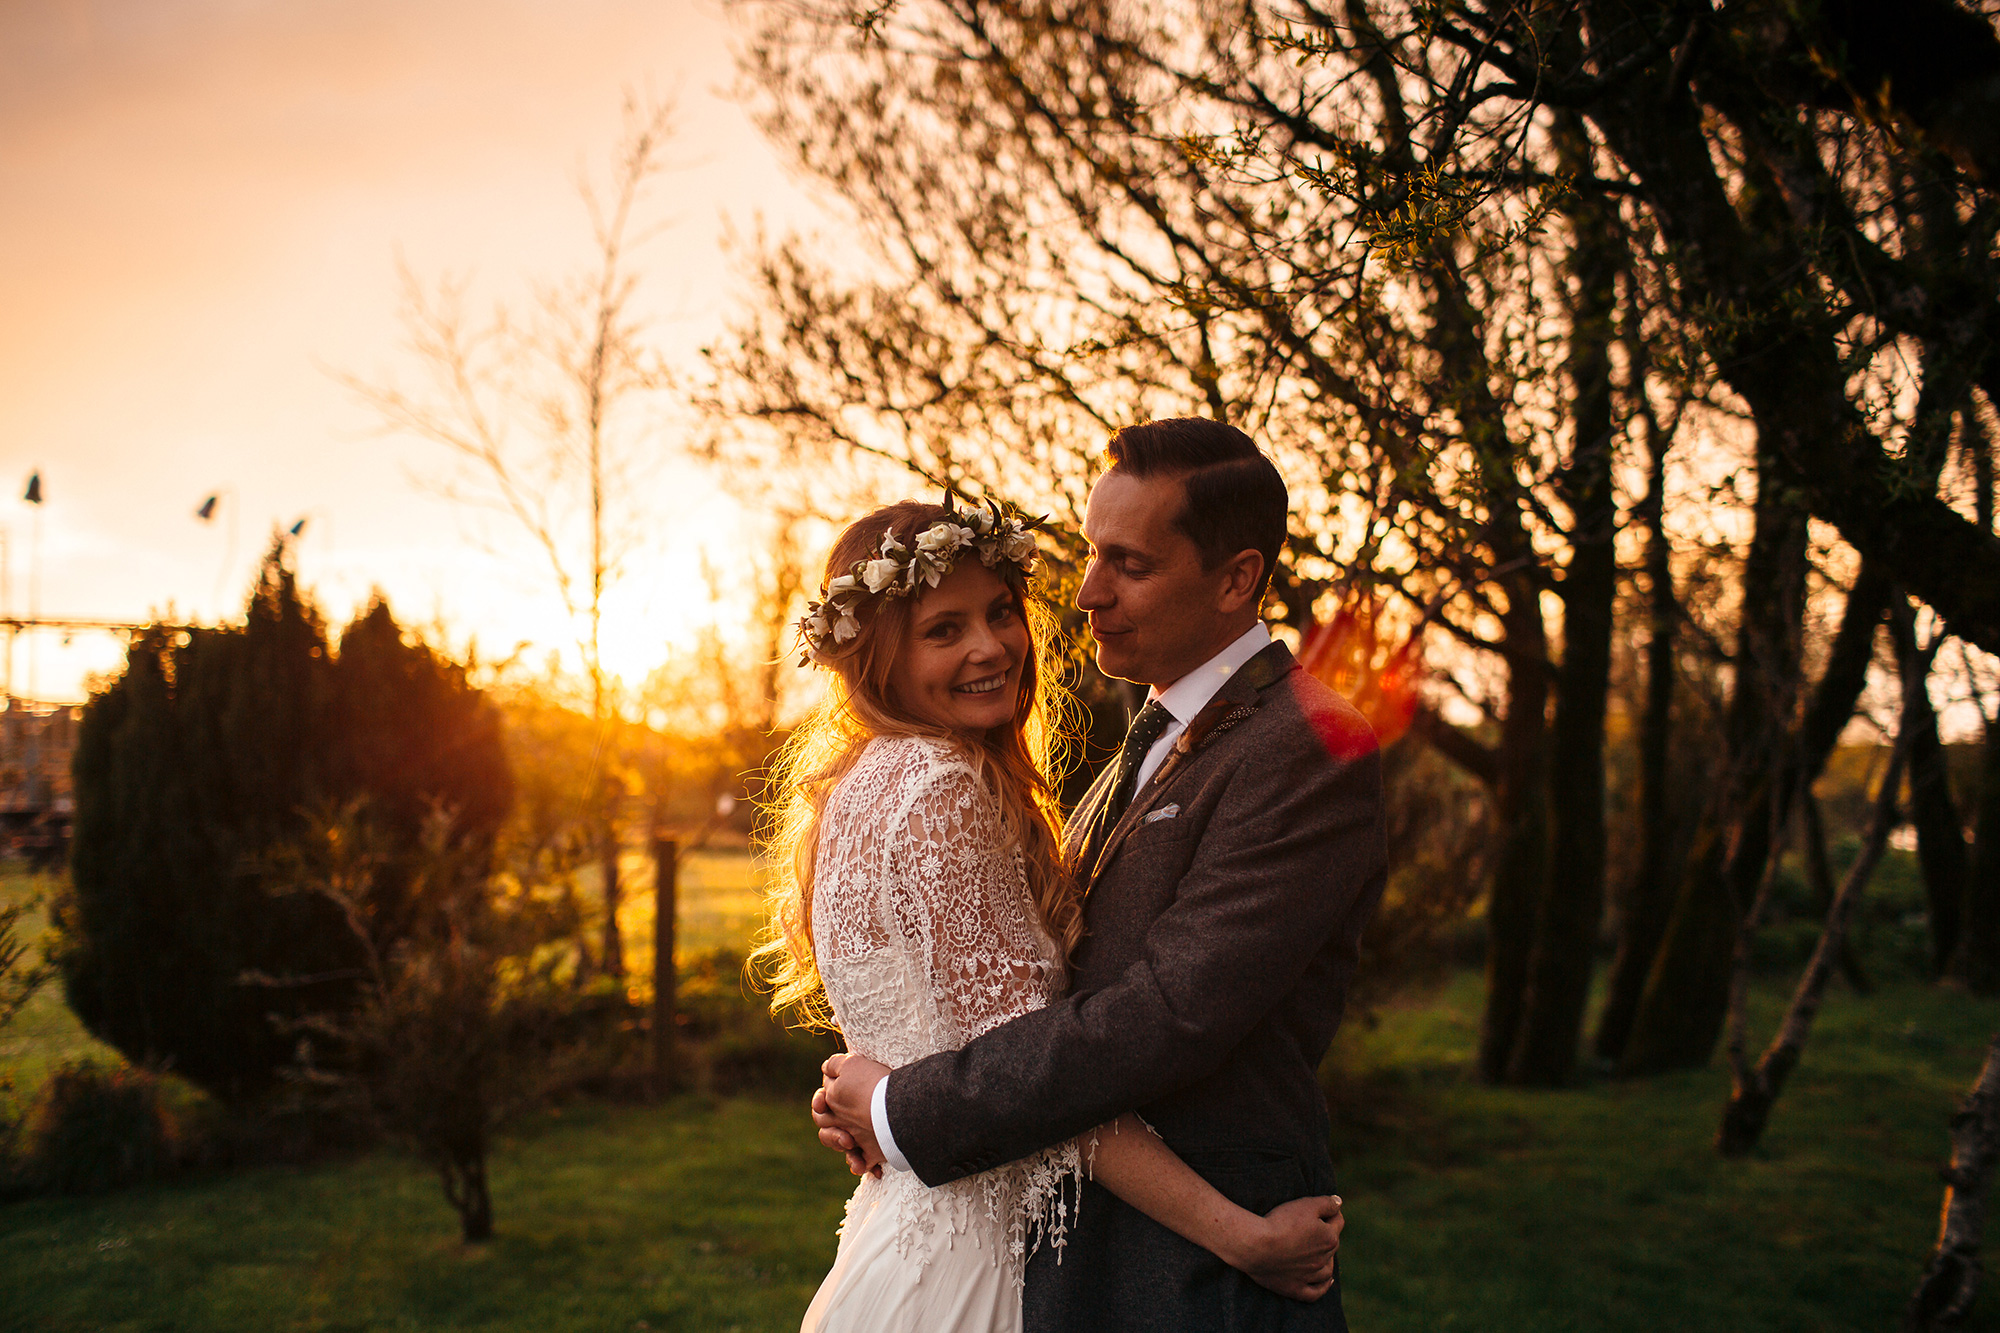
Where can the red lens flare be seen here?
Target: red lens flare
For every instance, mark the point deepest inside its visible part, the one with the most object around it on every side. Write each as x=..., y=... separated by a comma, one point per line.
x=1355, y=654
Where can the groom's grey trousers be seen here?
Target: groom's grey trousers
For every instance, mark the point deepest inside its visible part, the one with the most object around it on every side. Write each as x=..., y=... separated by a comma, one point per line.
x=1224, y=919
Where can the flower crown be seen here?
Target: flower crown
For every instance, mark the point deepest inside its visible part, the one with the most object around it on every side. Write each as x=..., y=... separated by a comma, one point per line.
x=897, y=570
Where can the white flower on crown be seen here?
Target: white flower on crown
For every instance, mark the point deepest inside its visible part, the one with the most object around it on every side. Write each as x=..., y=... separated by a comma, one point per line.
x=898, y=571
x=1018, y=547
x=880, y=573
x=943, y=538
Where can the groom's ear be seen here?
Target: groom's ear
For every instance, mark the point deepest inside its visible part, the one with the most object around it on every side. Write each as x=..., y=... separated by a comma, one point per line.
x=1242, y=581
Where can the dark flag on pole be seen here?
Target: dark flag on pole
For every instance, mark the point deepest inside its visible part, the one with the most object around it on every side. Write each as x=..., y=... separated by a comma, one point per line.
x=34, y=495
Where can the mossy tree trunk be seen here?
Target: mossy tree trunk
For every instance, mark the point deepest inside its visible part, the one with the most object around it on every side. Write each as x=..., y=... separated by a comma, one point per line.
x=1571, y=909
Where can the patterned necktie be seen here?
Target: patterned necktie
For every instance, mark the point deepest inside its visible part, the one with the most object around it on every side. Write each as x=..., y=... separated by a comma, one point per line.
x=1146, y=729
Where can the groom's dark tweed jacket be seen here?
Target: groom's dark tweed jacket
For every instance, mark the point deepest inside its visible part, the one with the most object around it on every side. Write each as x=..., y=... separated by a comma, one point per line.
x=1224, y=915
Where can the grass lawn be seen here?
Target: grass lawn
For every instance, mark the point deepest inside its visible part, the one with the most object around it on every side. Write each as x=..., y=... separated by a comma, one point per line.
x=693, y=1215
x=1600, y=1207
x=1604, y=1207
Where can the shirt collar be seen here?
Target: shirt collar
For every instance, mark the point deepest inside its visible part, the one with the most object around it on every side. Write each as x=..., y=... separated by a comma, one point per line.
x=1191, y=693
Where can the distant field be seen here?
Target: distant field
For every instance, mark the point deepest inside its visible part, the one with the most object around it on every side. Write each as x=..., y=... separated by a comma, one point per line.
x=721, y=906
x=45, y=1033
x=721, y=900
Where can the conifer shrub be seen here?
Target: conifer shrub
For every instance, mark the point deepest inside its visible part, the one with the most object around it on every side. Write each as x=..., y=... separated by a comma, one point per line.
x=195, y=770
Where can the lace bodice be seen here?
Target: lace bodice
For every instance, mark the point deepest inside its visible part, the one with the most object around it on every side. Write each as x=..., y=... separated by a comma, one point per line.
x=921, y=918
x=926, y=937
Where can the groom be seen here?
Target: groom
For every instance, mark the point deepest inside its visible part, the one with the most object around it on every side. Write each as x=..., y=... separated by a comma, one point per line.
x=1233, y=852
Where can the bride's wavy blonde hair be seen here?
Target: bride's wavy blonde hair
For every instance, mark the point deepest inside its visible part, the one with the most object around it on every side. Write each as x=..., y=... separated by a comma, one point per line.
x=1020, y=761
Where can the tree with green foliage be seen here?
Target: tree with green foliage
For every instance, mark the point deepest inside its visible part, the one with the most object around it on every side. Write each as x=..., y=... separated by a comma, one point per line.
x=20, y=977
x=195, y=766
x=1471, y=273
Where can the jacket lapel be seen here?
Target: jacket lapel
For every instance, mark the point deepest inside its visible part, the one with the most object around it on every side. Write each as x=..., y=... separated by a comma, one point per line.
x=1084, y=824
x=1236, y=700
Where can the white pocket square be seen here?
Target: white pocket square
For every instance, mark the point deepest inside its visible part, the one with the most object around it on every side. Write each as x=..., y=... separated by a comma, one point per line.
x=1164, y=812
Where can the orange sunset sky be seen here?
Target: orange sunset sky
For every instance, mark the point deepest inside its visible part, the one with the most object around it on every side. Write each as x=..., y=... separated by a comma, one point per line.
x=202, y=208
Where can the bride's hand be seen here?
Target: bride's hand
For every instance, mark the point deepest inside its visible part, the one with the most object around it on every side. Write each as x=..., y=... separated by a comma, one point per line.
x=1292, y=1249
x=841, y=1110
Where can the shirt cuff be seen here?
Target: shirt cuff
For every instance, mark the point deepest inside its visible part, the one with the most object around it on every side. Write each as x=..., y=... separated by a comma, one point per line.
x=878, y=1111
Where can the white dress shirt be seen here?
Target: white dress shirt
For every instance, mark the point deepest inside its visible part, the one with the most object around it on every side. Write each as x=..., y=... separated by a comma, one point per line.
x=1182, y=700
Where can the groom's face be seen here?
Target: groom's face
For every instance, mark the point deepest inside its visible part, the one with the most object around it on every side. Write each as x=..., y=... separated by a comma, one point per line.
x=1155, y=613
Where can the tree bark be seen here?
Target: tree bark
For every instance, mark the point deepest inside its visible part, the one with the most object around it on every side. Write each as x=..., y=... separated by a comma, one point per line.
x=1649, y=897
x=1951, y=1280
x=1572, y=898
x=1928, y=61
x=612, y=951
x=1846, y=672
x=666, y=884
x=464, y=1174
x=1521, y=810
x=1787, y=367
x=1820, y=874
x=1521, y=773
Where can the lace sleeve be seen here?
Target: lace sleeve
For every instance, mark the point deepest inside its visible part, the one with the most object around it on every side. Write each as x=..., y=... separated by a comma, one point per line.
x=961, y=895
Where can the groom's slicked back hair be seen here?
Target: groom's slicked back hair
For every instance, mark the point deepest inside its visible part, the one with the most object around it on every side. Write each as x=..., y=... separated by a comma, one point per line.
x=1236, y=501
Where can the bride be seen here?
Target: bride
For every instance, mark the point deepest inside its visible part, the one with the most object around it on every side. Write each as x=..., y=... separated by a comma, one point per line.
x=920, y=896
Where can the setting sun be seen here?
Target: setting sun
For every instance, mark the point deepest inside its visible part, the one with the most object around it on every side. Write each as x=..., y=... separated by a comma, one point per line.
x=218, y=198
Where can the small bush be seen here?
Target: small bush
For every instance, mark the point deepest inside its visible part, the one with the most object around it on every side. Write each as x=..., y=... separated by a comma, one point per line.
x=94, y=1129
x=1437, y=824
x=730, y=1042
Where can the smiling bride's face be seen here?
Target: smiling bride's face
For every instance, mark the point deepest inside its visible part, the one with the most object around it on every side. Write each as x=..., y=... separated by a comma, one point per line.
x=959, y=664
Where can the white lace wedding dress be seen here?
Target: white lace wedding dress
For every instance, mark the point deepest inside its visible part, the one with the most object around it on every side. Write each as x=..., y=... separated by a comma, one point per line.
x=926, y=937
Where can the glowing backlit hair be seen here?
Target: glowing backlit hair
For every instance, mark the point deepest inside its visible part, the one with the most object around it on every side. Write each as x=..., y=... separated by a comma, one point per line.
x=1021, y=761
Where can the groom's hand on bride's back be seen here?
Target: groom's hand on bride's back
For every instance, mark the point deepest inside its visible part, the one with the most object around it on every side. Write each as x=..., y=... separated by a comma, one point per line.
x=1295, y=1256
x=842, y=1110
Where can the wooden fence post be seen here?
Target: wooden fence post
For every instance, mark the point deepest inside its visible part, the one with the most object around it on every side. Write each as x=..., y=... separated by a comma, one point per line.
x=666, y=872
